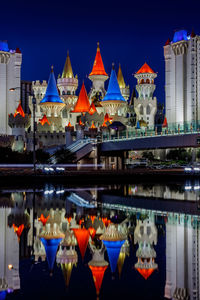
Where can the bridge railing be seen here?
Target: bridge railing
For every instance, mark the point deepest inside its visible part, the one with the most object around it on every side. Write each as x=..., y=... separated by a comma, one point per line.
x=170, y=129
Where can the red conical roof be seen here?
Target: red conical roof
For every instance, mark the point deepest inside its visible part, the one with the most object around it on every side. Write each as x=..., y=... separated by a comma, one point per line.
x=192, y=34
x=145, y=69
x=92, y=109
x=82, y=236
x=19, y=110
x=145, y=272
x=164, y=122
x=98, y=67
x=82, y=104
x=44, y=120
x=98, y=274
x=167, y=42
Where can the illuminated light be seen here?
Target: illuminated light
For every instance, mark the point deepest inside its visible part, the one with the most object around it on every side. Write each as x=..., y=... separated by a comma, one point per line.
x=92, y=126
x=145, y=272
x=98, y=67
x=188, y=187
x=69, y=219
x=19, y=111
x=98, y=274
x=92, y=232
x=60, y=192
x=82, y=104
x=69, y=125
x=80, y=122
x=43, y=219
x=51, y=247
x=165, y=123
x=92, y=218
x=60, y=169
x=106, y=221
x=120, y=78
x=82, y=236
x=113, y=91
x=197, y=187
x=18, y=230
x=3, y=294
x=120, y=262
x=67, y=271
x=188, y=169
x=10, y=267
x=145, y=69
x=44, y=120
x=196, y=169
x=92, y=109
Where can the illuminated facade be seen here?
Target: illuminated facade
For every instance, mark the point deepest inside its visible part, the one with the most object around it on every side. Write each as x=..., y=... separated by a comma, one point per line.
x=145, y=105
x=10, y=81
x=182, y=78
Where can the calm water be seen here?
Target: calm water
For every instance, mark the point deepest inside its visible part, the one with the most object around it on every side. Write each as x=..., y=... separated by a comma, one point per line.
x=106, y=242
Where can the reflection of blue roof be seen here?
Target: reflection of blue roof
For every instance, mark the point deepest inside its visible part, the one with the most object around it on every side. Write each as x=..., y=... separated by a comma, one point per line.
x=180, y=35
x=51, y=94
x=4, y=46
x=113, y=249
x=113, y=92
x=51, y=247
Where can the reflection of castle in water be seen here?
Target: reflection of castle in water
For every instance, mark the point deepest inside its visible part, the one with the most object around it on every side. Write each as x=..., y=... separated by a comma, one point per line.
x=182, y=258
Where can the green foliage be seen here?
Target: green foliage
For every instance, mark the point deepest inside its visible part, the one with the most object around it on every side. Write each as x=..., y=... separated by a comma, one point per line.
x=148, y=155
x=180, y=154
x=64, y=156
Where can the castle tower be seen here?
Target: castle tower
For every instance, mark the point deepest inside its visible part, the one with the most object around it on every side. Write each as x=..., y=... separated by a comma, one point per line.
x=19, y=122
x=113, y=102
x=182, y=78
x=145, y=105
x=125, y=91
x=145, y=235
x=98, y=76
x=67, y=85
x=10, y=80
x=52, y=104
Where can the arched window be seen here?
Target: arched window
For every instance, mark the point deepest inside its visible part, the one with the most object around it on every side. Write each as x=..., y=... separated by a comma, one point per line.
x=141, y=110
x=141, y=81
x=63, y=92
x=147, y=81
x=148, y=110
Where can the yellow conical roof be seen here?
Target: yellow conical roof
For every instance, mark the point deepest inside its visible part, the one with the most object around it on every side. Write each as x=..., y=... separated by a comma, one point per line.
x=120, y=78
x=67, y=71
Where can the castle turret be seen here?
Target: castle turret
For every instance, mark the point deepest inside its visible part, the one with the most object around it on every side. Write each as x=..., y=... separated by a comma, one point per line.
x=68, y=84
x=113, y=102
x=98, y=76
x=52, y=104
x=125, y=91
x=145, y=105
x=19, y=122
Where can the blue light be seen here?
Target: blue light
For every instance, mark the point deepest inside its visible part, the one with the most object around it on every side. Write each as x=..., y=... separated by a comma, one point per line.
x=4, y=46
x=51, y=94
x=113, y=249
x=180, y=35
x=51, y=246
x=113, y=92
x=3, y=295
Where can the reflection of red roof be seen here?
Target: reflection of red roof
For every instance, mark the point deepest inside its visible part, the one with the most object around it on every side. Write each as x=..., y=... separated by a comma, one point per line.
x=92, y=109
x=145, y=69
x=44, y=120
x=82, y=236
x=98, y=67
x=82, y=104
x=164, y=123
x=43, y=219
x=145, y=272
x=18, y=230
x=69, y=125
x=20, y=111
x=98, y=274
x=106, y=119
x=93, y=126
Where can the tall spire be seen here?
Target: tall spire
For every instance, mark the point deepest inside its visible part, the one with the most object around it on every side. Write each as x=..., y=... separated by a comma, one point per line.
x=67, y=71
x=98, y=67
x=51, y=94
x=120, y=78
x=82, y=104
x=113, y=92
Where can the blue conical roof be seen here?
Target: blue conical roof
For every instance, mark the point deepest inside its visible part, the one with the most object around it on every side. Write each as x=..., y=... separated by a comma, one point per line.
x=113, y=92
x=51, y=94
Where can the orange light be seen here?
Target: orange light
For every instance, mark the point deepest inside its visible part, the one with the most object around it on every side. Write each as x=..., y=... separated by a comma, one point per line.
x=106, y=221
x=92, y=232
x=145, y=272
x=69, y=125
x=82, y=236
x=69, y=219
x=82, y=104
x=164, y=123
x=80, y=122
x=92, y=109
x=43, y=219
x=10, y=267
x=145, y=69
x=93, y=126
x=98, y=274
x=19, y=111
x=92, y=218
x=44, y=120
x=18, y=230
x=98, y=67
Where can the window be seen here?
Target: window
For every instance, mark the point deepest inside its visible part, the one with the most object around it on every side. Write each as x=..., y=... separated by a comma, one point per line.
x=141, y=110
x=148, y=110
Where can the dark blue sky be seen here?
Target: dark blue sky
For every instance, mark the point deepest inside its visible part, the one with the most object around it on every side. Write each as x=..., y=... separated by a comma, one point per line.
x=129, y=32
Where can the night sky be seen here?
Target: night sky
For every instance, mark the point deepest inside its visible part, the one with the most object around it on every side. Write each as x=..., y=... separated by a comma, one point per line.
x=129, y=32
